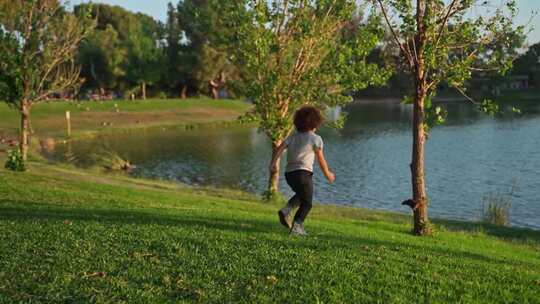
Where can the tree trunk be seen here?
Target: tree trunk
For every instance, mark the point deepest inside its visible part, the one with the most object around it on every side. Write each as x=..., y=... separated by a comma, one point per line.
x=183, y=92
x=421, y=223
x=143, y=90
x=25, y=129
x=273, y=181
x=215, y=91
x=217, y=83
x=421, y=226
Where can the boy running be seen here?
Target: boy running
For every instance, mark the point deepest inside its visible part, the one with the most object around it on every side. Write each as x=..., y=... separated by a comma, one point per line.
x=303, y=146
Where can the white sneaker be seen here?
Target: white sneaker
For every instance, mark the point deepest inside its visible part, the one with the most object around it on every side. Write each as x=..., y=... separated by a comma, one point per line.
x=298, y=229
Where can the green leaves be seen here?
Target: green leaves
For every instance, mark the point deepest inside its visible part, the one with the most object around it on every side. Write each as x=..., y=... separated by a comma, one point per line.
x=458, y=44
x=15, y=161
x=516, y=110
x=11, y=85
x=208, y=41
x=434, y=116
x=489, y=107
x=297, y=53
x=339, y=122
x=102, y=57
x=408, y=99
x=45, y=50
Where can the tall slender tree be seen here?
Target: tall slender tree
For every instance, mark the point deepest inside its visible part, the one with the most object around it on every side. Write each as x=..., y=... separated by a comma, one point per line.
x=101, y=57
x=298, y=52
x=207, y=42
x=144, y=58
x=125, y=50
x=444, y=41
x=47, y=40
x=176, y=72
x=11, y=86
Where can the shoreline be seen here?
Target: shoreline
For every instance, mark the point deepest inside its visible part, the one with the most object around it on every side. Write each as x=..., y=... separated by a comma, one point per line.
x=98, y=174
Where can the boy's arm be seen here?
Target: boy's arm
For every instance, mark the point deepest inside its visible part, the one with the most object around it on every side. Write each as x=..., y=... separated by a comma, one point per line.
x=273, y=163
x=324, y=166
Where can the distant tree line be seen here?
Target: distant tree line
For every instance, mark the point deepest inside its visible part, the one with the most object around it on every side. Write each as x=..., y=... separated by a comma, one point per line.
x=132, y=53
x=529, y=64
x=191, y=54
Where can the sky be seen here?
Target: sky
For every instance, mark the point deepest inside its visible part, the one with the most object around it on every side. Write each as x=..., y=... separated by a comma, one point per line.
x=158, y=10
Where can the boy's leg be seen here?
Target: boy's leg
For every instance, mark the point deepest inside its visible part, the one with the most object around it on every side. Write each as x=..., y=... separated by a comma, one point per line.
x=294, y=180
x=293, y=203
x=284, y=212
x=305, y=196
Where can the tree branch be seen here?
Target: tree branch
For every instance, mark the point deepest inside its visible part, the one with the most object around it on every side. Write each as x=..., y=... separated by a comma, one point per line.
x=395, y=35
x=474, y=102
x=445, y=21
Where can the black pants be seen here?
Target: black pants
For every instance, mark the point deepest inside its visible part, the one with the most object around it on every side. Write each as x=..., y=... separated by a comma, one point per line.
x=302, y=184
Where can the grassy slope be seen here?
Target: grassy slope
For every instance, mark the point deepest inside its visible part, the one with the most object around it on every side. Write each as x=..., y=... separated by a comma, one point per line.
x=76, y=236
x=48, y=119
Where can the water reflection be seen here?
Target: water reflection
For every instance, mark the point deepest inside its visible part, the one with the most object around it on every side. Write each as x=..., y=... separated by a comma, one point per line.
x=466, y=158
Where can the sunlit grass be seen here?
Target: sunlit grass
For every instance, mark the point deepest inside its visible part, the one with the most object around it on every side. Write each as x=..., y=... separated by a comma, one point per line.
x=68, y=235
x=48, y=118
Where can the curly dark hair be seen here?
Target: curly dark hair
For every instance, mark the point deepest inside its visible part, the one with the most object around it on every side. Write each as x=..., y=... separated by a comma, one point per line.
x=307, y=118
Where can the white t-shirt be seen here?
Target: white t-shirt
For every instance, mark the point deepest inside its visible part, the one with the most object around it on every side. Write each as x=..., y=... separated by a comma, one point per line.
x=301, y=149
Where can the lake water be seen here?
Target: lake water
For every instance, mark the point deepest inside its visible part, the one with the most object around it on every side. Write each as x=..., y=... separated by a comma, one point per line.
x=468, y=158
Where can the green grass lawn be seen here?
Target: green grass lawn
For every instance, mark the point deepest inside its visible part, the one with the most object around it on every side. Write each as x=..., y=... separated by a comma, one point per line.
x=48, y=119
x=76, y=236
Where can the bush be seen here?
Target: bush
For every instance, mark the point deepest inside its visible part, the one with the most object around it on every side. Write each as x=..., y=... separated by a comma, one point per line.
x=15, y=161
x=496, y=207
x=162, y=95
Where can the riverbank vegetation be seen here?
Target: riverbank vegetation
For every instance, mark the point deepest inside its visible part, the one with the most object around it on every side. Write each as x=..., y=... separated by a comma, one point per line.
x=81, y=236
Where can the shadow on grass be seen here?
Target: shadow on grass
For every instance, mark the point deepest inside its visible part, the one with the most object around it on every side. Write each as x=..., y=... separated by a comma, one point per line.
x=40, y=212
x=328, y=240
x=51, y=212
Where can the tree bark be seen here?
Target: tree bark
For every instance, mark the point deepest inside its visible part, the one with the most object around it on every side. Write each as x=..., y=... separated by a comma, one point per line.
x=421, y=226
x=273, y=181
x=217, y=83
x=215, y=91
x=420, y=215
x=25, y=129
x=143, y=90
x=183, y=92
